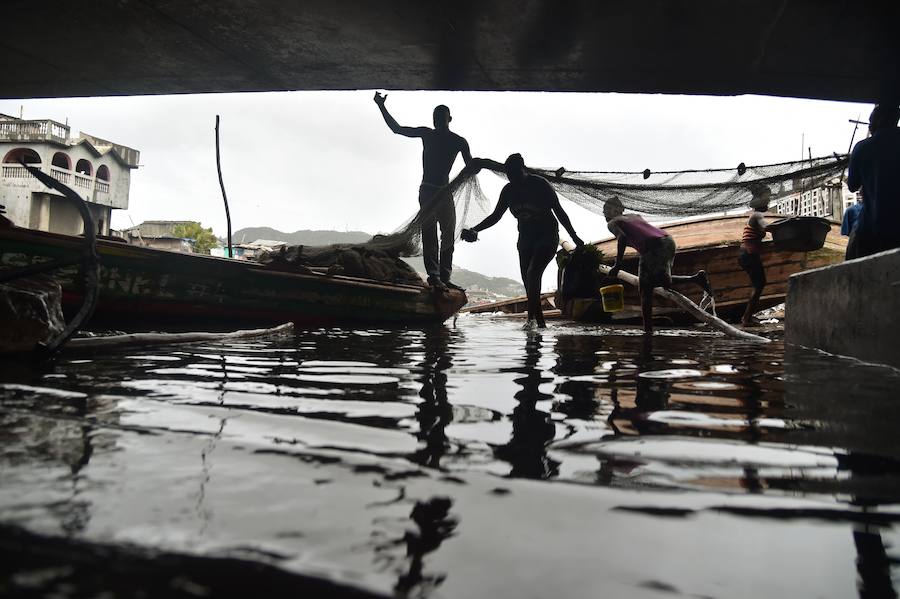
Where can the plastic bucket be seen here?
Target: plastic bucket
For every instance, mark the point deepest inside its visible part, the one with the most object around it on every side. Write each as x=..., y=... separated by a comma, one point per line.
x=613, y=298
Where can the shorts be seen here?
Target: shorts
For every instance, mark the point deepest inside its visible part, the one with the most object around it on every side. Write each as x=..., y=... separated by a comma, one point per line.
x=752, y=264
x=655, y=268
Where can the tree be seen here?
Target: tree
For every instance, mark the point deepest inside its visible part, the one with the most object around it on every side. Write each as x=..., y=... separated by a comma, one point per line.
x=203, y=239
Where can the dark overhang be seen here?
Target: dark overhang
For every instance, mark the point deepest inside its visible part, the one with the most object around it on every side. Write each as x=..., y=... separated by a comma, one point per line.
x=828, y=49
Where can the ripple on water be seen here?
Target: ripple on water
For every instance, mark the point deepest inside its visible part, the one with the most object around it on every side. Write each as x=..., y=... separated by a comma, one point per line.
x=714, y=452
x=672, y=373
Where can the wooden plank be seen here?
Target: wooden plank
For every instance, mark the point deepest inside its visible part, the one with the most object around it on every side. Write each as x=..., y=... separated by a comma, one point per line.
x=146, y=339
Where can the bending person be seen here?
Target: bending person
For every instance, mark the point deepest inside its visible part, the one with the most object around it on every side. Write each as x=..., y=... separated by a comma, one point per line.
x=439, y=149
x=657, y=252
x=536, y=207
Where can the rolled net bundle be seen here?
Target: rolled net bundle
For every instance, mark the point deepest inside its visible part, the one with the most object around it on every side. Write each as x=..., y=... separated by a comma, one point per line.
x=380, y=257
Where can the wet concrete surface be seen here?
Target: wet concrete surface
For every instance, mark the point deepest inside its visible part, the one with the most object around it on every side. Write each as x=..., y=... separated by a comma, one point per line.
x=471, y=461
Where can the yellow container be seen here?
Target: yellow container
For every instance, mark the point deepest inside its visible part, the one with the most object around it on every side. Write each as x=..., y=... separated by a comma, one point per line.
x=613, y=298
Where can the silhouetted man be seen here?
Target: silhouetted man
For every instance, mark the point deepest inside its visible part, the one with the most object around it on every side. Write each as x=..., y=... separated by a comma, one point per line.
x=875, y=166
x=534, y=203
x=439, y=149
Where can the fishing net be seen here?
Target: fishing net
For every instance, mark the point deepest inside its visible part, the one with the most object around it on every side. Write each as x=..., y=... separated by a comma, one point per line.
x=693, y=193
x=663, y=194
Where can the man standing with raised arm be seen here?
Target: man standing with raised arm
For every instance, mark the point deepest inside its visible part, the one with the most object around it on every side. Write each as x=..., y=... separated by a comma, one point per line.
x=439, y=149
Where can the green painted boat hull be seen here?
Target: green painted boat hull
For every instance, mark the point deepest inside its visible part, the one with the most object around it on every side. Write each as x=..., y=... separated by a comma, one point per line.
x=144, y=288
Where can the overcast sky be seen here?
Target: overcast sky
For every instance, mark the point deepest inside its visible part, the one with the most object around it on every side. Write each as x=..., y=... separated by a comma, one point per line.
x=326, y=160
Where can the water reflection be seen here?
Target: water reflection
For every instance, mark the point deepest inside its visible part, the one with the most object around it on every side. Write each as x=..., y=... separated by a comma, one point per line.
x=434, y=525
x=185, y=444
x=651, y=394
x=873, y=564
x=434, y=412
x=49, y=437
x=532, y=428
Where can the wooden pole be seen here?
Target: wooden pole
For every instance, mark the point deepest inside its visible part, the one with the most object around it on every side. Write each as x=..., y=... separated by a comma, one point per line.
x=222, y=185
x=856, y=124
x=140, y=339
x=686, y=304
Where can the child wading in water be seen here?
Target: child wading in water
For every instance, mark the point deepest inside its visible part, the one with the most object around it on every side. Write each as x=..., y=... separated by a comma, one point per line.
x=657, y=252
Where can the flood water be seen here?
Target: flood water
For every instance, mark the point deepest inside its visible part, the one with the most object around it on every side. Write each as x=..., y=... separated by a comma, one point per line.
x=466, y=460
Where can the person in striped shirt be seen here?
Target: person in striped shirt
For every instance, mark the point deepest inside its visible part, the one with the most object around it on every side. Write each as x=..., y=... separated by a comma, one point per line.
x=750, y=258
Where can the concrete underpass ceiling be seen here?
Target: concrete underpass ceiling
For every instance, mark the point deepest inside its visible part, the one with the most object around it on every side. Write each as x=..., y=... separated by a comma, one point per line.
x=838, y=50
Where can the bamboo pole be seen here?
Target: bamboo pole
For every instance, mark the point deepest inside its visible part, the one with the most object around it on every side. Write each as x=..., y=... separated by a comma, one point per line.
x=142, y=339
x=686, y=304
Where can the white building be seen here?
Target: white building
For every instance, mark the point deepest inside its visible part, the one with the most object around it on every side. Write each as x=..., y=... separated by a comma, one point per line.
x=98, y=170
x=828, y=201
x=159, y=234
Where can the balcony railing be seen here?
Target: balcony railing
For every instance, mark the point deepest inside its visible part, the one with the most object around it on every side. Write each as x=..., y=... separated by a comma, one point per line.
x=83, y=181
x=45, y=130
x=15, y=171
x=61, y=175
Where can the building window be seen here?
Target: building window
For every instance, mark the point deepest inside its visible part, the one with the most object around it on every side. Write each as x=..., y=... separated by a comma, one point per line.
x=62, y=160
x=84, y=167
x=26, y=155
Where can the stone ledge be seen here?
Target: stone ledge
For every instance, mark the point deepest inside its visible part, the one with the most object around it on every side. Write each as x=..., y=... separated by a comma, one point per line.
x=849, y=309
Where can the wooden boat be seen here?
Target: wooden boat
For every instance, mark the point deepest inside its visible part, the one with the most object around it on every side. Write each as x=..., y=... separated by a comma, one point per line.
x=713, y=244
x=514, y=305
x=146, y=288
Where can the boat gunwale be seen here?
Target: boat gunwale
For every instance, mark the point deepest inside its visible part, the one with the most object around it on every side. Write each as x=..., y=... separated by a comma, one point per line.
x=255, y=268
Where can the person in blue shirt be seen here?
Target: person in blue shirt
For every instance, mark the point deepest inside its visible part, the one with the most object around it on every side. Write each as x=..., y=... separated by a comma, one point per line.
x=848, y=229
x=875, y=167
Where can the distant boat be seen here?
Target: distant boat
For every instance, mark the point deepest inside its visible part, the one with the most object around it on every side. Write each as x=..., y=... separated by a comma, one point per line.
x=146, y=288
x=711, y=244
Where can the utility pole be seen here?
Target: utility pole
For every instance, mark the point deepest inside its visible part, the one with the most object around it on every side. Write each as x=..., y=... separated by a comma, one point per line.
x=856, y=124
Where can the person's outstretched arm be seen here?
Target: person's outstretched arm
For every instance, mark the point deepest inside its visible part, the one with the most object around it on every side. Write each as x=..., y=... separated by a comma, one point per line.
x=394, y=126
x=564, y=219
x=622, y=243
x=492, y=219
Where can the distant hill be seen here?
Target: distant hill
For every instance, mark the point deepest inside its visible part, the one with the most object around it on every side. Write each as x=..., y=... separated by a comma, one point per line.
x=475, y=280
x=303, y=237
x=461, y=276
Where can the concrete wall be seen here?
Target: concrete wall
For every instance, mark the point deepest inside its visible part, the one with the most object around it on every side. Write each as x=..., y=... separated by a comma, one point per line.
x=64, y=217
x=849, y=308
x=156, y=228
